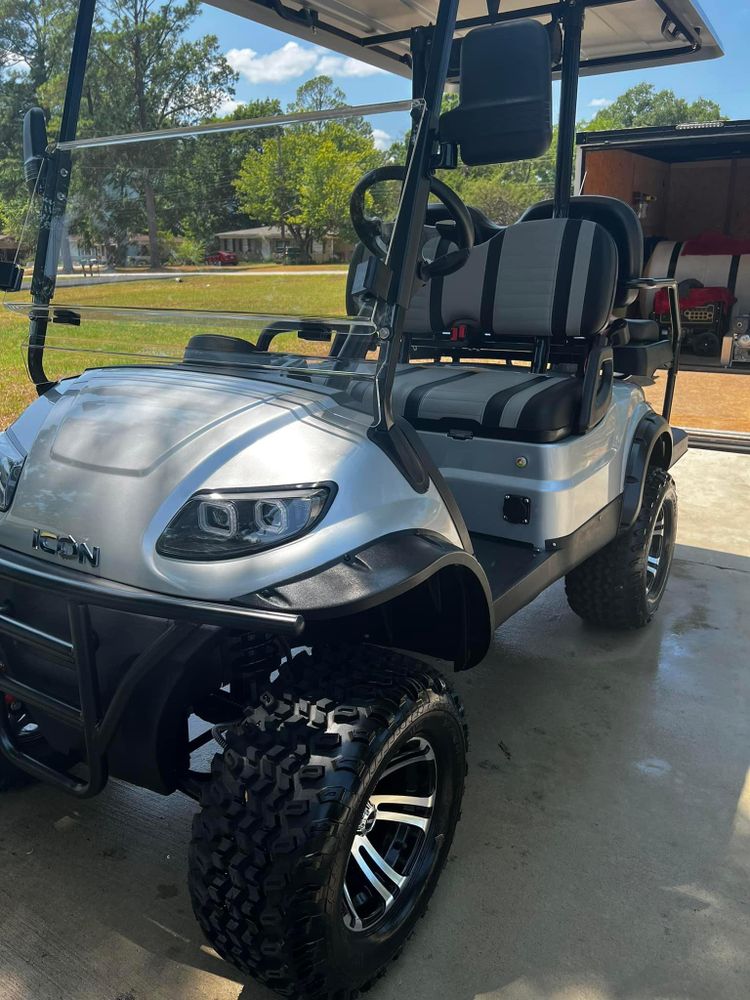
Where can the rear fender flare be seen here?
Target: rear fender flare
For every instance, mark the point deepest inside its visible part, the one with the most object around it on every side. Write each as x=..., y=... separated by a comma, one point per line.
x=651, y=447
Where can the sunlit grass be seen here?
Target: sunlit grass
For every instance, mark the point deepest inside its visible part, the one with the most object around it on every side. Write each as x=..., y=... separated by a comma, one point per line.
x=702, y=400
x=318, y=295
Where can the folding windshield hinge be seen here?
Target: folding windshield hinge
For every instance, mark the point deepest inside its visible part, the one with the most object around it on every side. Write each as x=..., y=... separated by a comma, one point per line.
x=11, y=276
x=372, y=278
x=67, y=317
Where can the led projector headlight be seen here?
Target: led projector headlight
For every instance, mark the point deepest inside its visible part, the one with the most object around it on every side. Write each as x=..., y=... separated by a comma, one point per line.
x=225, y=525
x=11, y=463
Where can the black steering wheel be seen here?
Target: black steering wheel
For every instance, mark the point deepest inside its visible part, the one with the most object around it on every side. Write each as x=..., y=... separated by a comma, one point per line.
x=374, y=234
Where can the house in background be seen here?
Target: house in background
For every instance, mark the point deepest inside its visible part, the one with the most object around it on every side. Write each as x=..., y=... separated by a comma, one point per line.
x=273, y=243
x=8, y=248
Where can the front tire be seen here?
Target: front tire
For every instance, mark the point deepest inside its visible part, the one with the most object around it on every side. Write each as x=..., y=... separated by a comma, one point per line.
x=621, y=586
x=29, y=738
x=328, y=819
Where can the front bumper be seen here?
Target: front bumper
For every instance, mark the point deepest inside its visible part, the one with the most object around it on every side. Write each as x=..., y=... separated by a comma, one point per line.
x=78, y=651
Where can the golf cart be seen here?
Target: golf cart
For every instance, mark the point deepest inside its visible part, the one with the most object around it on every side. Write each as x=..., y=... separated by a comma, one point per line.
x=257, y=539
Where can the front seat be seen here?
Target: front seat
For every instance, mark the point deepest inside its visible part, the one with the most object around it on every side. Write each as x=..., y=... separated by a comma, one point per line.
x=551, y=279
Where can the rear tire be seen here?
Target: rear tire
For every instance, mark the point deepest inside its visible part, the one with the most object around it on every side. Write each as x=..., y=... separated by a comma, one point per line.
x=621, y=586
x=299, y=873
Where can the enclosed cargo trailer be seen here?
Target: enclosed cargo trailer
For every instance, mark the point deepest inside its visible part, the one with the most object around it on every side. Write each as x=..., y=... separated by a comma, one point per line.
x=690, y=186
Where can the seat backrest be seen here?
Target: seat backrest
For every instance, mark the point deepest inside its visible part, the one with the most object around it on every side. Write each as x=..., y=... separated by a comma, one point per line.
x=621, y=223
x=553, y=278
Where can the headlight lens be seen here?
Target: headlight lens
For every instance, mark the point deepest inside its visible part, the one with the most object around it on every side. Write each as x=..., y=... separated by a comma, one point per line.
x=227, y=525
x=11, y=463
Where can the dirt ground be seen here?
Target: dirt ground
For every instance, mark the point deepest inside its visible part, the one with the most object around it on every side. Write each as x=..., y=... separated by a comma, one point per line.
x=714, y=401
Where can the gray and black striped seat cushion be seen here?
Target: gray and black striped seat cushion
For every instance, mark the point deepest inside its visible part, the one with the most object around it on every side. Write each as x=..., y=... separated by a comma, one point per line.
x=489, y=401
x=548, y=278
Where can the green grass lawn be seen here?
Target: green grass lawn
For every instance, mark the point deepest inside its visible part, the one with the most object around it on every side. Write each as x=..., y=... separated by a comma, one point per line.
x=318, y=295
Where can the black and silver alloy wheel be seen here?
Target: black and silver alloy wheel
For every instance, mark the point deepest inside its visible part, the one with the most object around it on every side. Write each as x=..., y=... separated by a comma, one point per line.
x=660, y=549
x=391, y=835
x=328, y=819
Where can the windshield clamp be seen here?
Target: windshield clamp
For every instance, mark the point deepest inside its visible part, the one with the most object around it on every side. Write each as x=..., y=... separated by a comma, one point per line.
x=373, y=279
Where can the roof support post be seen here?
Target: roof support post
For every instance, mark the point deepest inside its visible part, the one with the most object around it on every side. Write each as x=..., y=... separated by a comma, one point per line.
x=403, y=253
x=572, y=22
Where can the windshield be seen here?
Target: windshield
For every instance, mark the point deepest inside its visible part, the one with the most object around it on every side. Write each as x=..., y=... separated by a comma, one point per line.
x=226, y=244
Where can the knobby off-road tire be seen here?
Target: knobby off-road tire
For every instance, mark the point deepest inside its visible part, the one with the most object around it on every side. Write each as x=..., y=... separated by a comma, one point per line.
x=302, y=873
x=621, y=586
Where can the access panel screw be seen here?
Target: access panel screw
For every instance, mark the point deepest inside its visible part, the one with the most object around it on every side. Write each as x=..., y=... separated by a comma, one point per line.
x=521, y=462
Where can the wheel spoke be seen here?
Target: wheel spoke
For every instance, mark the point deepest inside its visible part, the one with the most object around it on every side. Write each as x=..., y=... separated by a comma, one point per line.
x=424, y=754
x=415, y=801
x=409, y=818
x=377, y=873
x=354, y=921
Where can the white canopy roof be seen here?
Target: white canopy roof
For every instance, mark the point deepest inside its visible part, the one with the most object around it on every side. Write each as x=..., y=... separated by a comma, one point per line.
x=625, y=33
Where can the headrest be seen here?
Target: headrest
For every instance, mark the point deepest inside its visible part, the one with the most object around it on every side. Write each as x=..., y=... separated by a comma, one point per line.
x=552, y=278
x=505, y=107
x=621, y=223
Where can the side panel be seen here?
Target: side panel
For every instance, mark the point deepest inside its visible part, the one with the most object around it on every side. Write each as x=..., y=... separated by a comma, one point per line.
x=566, y=483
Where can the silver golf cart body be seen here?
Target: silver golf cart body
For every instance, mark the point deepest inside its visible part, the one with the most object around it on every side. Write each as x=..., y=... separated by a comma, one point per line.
x=111, y=457
x=229, y=529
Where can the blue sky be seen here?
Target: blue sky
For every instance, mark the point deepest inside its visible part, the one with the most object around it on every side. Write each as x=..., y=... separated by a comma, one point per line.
x=274, y=64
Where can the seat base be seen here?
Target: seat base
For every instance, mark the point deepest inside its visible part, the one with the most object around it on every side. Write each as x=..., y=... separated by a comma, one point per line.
x=488, y=401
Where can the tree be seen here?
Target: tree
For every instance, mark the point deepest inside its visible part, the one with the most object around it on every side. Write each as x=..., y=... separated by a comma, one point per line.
x=303, y=176
x=204, y=186
x=145, y=74
x=35, y=38
x=318, y=94
x=644, y=105
x=34, y=50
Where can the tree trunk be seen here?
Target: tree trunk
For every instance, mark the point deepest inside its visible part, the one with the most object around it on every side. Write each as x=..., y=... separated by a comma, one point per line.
x=149, y=196
x=66, y=255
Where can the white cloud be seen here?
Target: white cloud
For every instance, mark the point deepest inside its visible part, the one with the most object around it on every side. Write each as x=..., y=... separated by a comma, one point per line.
x=381, y=138
x=12, y=60
x=227, y=106
x=293, y=61
x=345, y=66
x=286, y=63
x=600, y=102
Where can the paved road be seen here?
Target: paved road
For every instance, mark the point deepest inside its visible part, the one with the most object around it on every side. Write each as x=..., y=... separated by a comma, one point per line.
x=118, y=278
x=604, y=852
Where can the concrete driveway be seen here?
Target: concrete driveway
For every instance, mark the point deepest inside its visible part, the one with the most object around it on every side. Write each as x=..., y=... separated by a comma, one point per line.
x=604, y=850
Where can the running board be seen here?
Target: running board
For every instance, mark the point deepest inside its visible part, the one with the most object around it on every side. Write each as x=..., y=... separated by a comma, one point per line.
x=518, y=573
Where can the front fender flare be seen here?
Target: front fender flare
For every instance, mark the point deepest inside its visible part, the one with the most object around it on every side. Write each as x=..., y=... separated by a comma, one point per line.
x=411, y=589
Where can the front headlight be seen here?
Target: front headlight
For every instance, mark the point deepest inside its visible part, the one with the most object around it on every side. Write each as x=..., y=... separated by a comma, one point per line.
x=225, y=525
x=11, y=463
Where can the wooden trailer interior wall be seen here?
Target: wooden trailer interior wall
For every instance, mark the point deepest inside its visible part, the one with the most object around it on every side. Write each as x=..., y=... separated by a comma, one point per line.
x=691, y=198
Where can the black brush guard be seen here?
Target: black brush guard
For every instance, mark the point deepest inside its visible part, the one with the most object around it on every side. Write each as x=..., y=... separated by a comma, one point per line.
x=81, y=593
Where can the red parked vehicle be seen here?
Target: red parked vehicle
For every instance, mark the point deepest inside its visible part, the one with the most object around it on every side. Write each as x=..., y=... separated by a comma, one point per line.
x=222, y=258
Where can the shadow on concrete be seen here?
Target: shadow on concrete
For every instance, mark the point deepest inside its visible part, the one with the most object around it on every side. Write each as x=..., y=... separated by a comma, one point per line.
x=604, y=850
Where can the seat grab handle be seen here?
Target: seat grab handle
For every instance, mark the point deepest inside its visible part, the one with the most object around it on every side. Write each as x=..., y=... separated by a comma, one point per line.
x=597, y=384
